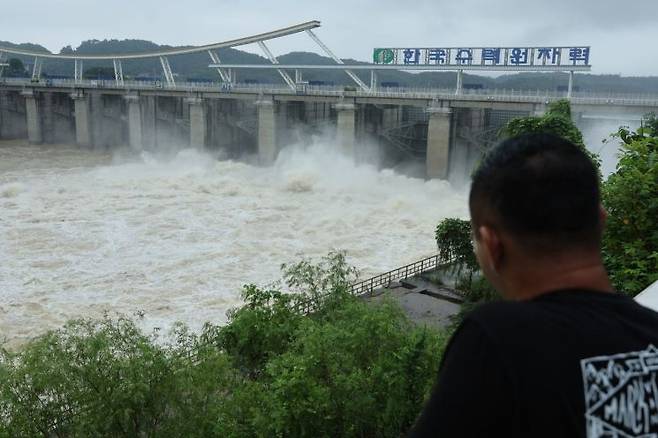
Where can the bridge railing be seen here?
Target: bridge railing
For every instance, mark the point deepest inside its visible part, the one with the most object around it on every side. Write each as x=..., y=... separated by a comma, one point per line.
x=515, y=95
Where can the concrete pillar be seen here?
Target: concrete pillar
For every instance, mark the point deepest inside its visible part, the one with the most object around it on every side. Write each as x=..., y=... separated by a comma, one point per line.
x=438, y=142
x=47, y=115
x=283, y=133
x=267, y=147
x=479, y=122
x=34, y=134
x=198, y=122
x=134, y=121
x=82, y=119
x=148, y=106
x=346, y=127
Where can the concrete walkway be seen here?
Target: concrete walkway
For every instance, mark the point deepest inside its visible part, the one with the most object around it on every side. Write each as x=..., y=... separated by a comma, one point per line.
x=424, y=303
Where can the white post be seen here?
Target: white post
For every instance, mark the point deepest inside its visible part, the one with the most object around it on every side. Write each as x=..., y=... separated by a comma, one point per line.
x=460, y=79
x=36, y=69
x=215, y=59
x=118, y=72
x=78, y=71
x=166, y=68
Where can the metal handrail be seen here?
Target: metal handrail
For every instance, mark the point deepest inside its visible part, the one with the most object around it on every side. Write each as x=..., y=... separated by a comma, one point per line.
x=402, y=273
x=366, y=287
x=500, y=95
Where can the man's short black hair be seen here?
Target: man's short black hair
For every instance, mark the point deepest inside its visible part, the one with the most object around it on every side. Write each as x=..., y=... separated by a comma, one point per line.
x=540, y=188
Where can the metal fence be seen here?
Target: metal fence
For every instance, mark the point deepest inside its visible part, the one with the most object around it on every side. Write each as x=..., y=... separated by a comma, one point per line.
x=366, y=287
x=495, y=95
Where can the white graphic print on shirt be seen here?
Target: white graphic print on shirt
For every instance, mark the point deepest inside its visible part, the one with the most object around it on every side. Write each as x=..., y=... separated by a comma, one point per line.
x=621, y=394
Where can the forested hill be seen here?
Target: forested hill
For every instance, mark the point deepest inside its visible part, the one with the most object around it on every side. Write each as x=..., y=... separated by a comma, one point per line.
x=195, y=66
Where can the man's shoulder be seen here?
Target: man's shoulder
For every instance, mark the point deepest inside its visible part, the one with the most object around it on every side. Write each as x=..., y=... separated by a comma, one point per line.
x=565, y=310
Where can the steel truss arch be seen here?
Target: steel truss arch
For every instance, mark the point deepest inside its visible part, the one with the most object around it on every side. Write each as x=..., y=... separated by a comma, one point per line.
x=225, y=72
x=172, y=52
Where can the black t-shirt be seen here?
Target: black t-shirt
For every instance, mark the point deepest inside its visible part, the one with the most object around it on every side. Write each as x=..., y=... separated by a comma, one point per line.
x=570, y=363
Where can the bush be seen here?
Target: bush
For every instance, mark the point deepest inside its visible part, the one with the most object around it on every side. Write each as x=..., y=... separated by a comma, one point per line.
x=261, y=329
x=89, y=378
x=363, y=371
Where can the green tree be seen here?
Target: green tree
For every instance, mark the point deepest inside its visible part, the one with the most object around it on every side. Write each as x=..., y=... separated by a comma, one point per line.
x=454, y=240
x=557, y=121
x=630, y=196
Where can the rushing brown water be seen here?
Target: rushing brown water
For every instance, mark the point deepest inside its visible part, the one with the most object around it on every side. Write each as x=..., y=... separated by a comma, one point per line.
x=83, y=232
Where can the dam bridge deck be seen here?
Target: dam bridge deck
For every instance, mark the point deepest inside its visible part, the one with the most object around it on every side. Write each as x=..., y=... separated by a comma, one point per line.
x=396, y=96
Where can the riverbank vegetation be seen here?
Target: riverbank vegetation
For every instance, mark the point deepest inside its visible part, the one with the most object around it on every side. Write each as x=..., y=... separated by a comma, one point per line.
x=347, y=369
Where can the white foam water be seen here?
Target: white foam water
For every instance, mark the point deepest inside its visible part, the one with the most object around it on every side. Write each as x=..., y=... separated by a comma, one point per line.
x=82, y=232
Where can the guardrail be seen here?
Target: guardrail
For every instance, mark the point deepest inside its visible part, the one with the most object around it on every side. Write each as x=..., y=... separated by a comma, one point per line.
x=496, y=95
x=368, y=286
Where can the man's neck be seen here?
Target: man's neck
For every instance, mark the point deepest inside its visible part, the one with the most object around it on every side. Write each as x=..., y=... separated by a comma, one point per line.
x=534, y=279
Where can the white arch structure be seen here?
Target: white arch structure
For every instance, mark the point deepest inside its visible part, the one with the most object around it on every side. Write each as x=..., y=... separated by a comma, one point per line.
x=164, y=55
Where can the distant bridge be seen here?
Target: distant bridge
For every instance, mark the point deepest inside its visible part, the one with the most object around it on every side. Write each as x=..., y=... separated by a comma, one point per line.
x=225, y=71
x=386, y=95
x=441, y=126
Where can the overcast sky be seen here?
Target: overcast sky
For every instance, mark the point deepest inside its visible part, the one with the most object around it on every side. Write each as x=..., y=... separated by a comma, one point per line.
x=623, y=34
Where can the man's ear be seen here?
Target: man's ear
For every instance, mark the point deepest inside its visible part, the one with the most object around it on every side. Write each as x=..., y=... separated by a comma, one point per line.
x=492, y=246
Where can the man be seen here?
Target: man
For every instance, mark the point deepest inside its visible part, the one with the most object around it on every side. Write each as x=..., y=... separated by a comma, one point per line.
x=564, y=355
